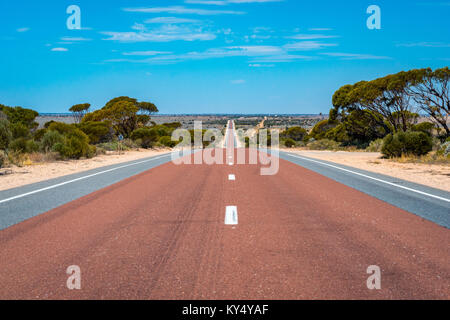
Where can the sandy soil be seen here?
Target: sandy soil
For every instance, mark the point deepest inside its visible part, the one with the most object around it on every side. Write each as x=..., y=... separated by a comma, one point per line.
x=19, y=176
x=432, y=175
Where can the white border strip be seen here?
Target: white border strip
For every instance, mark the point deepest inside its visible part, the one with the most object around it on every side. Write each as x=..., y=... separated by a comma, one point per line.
x=369, y=177
x=81, y=178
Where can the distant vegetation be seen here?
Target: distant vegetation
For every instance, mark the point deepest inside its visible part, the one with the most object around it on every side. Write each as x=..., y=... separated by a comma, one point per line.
x=382, y=115
x=122, y=120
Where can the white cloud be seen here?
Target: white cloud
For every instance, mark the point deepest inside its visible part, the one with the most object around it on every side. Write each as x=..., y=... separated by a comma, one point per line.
x=182, y=10
x=165, y=33
x=308, y=45
x=239, y=81
x=23, y=30
x=320, y=29
x=424, y=45
x=226, y=2
x=73, y=39
x=311, y=36
x=259, y=65
x=145, y=53
x=258, y=55
x=170, y=20
x=354, y=56
x=60, y=49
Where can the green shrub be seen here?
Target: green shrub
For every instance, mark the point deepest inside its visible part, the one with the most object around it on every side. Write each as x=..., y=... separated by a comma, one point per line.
x=323, y=144
x=289, y=143
x=129, y=144
x=425, y=127
x=406, y=143
x=75, y=146
x=97, y=131
x=2, y=158
x=321, y=128
x=39, y=134
x=5, y=134
x=19, y=130
x=295, y=134
x=375, y=146
x=147, y=136
x=32, y=146
x=167, y=141
x=49, y=140
x=61, y=127
x=18, y=145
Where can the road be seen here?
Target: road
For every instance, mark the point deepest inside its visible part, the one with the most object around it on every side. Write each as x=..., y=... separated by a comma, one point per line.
x=159, y=232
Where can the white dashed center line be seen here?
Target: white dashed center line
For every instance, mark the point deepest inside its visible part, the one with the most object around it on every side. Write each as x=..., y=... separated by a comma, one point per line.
x=231, y=215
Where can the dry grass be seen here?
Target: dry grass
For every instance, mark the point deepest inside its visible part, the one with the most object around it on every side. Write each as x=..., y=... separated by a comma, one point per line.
x=431, y=158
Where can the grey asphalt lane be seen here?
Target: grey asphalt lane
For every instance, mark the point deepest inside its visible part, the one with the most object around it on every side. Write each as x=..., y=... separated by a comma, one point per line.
x=22, y=203
x=429, y=203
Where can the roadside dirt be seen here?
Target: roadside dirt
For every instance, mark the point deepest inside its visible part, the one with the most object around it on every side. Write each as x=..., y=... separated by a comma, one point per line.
x=432, y=175
x=19, y=176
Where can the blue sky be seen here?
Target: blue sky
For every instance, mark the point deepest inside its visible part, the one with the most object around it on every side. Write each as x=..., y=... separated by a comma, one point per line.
x=211, y=56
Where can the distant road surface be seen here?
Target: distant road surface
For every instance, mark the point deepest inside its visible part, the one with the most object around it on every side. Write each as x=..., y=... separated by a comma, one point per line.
x=150, y=229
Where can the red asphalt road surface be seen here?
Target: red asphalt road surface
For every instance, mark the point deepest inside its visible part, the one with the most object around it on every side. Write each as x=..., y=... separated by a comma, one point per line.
x=161, y=235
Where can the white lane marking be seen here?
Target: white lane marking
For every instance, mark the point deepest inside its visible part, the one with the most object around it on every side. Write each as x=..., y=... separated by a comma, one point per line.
x=78, y=179
x=231, y=215
x=369, y=177
x=231, y=177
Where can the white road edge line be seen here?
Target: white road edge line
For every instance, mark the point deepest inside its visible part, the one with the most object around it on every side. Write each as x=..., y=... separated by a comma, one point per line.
x=231, y=215
x=369, y=177
x=78, y=179
x=231, y=177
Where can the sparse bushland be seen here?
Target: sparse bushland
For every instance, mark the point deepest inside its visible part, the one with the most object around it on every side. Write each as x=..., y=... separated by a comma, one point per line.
x=94, y=133
x=381, y=115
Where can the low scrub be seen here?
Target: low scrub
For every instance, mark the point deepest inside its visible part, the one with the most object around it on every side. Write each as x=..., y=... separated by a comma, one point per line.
x=375, y=146
x=75, y=146
x=323, y=144
x=406, y=143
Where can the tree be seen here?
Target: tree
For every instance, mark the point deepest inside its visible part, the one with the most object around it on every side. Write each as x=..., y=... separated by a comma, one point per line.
x=79, y=111
x=19, y=115
x=122, y=112
x=430, y=90
x=295, y=133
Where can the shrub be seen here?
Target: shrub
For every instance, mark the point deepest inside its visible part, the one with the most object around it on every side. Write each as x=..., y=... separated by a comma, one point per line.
x=2, y=158
x=444, y=150
x=18, y=145
x=49, y=140
x=425, y=127
x=321, y=128
x=147, y=136
x=75, y=146
x=167, y=141
x=129, y=144
x=323, y=144
x=97, y=131
x=5, y=134
x=295, y=133
x=61, y=127
x=289, y=143
x=375, y=146
x=406, y=143
x=39, y=134
x=32, y=146
x=19, y=130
